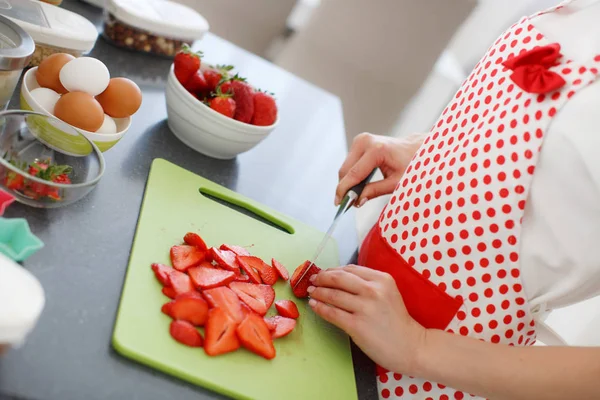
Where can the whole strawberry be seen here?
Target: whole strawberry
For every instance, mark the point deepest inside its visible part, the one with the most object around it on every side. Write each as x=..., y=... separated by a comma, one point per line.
x=187, y=63
x=213, y=76
x=243, y=94
x=196, y=85
x=223, y=103
x=265, y=109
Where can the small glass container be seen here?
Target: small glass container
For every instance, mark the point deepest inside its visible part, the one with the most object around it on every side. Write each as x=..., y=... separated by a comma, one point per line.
x=157, y=27
x=16, y=49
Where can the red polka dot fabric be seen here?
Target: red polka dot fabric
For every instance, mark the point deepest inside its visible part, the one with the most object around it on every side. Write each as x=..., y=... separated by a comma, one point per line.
x=455, y=216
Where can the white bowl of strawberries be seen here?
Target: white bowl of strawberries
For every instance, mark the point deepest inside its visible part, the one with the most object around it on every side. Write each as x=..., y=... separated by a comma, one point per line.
x=215, y=112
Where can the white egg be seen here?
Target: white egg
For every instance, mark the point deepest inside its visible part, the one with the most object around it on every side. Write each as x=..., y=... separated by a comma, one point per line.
x=46, y=98
x=85, y=74
x=108, y=126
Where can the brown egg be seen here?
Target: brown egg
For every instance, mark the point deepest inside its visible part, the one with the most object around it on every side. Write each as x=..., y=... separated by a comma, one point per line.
x=80, y=110
x=121, y=99
x=48, y=72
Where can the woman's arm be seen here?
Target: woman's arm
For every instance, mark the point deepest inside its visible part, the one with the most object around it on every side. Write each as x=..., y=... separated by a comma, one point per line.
x=512, y=373
x=367, y=305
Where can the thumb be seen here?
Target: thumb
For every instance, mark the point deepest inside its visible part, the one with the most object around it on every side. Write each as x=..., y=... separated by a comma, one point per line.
x=376, y=189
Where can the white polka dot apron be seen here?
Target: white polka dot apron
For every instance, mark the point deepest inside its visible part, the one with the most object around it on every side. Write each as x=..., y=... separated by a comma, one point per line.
x=450, y=234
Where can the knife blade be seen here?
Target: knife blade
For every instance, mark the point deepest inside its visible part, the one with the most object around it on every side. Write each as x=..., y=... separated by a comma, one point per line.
x=347, y=202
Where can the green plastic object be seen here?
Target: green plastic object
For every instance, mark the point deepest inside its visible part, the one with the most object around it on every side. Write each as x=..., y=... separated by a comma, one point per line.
x=313, y=362
x=16, y=240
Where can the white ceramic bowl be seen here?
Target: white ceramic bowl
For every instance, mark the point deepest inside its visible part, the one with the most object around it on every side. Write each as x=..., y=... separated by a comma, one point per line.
x=205, y=130
x=104, y=141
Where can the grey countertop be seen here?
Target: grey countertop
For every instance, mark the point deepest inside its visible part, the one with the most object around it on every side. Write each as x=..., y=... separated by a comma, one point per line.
x=82, y=267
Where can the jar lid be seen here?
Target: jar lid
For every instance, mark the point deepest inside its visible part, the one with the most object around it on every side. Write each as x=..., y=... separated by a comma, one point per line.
x=16, y=46
x=51, y=25
x=161, y=18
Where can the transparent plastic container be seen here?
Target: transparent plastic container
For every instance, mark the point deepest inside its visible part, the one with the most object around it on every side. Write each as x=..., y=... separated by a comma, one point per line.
x=16, y=48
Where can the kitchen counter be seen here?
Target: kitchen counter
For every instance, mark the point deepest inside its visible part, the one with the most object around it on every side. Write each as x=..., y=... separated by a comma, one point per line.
x=87, y=244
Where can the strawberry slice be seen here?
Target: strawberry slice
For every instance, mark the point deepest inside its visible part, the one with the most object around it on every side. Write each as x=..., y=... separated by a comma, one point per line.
x=207, y=264
x=208, y=278
x=267, y=273
x=192, y=309
x=186, y=256
x=226, y=299
x=193, y=239
x=281, y=270
x=271, y=322
x=180, y=282
x=287, y=308
x=242, y=278
x=169, y=292
x=252, y=274
x=238, y=250
x=220, y=333
x=258, y=297
x=161, y=271
x=256, y=337
x=226, y=259
x=185, y=333
x=283, y=326
x=300, y=289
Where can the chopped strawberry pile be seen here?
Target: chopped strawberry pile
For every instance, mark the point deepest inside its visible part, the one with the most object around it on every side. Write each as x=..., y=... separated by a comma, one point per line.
x=227, y=292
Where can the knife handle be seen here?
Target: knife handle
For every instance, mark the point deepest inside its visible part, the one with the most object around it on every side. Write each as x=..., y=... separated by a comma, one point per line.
x=359, y=187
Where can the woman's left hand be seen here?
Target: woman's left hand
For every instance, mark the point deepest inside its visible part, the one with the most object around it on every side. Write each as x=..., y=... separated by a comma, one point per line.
x=368, y=306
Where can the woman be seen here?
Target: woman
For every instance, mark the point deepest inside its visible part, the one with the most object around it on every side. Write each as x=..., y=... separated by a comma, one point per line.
x=494, y=219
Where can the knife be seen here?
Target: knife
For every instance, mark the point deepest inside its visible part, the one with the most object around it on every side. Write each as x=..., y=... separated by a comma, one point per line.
x=347, y=202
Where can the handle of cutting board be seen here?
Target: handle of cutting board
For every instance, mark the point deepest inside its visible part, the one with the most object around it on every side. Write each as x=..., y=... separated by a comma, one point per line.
x=252, y=210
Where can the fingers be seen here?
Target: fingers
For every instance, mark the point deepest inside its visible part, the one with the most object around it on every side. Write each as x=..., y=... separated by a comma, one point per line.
x=360, y=170
x=337, y=278
x=333, y=315
x=376, y=189
x=334, y=297
x=364, y=273
x=358, y=148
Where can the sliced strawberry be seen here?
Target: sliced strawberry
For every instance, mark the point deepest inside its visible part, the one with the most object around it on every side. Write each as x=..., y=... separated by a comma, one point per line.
x=283, y=326
x=226, y=299
x=300, y=287
x=180, y=282
x=267, y=273
x=186, y=256
x=185, y=333
x=242, y=278
x=287, y=308
x=220, y=333
x=187, y=308
x=258, y=297
x=226, y=259
x=208, y=278
x=238, y=250
x=271, y=323
x=161, y=271
x=193, y=295
x=256, y=337
x=193, y=239
x=251, y=272
x=281, y=270
x=207, y=264
x=169, y=292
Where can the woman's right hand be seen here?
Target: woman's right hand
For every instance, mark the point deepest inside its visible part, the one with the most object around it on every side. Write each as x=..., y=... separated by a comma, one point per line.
x=368, y=151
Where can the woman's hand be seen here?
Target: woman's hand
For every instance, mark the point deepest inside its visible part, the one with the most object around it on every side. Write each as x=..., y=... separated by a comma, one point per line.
x=390, y=155
x=368, y=306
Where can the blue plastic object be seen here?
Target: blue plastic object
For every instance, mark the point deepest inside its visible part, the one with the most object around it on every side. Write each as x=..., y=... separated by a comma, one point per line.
x=16, y=240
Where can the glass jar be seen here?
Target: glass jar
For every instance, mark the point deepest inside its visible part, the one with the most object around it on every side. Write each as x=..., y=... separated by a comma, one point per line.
x=16, y=49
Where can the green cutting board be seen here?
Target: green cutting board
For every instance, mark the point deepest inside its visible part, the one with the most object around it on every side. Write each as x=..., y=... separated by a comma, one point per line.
x=313, y=362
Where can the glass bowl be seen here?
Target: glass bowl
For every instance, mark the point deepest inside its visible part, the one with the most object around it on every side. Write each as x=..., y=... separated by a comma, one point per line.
x=40, y=165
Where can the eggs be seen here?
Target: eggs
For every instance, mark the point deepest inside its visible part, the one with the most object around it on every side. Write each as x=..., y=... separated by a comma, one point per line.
x=80, y=110
x=48, y=72
x=46, y=98
x=108, y=126
x=121, y=99
x=85, y=74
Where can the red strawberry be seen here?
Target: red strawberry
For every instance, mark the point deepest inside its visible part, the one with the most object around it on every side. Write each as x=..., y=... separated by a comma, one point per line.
x=265, y=109
x=247, y=267
x=14, y=181
x=214, y=75
x=196, y=85
x=207, y=264
x=258, y=297
x=283, y=326
x=192, y=309
x=193, y=239
x=238, y=250
x=256, y=337
x=185, y=333
x=267, y=273
x=300, y=287
x=63, y=179
x=161, y=272
x=243, y=94
x=281, y=270
x=271, y=322
x=226, y=299
x=180, y=282
x=220, y=333
x=223, y=104
x=225, y=259
x=287, y=308
x=186, y=64
x=208, y=278
x=186, y=256
x=169, y=292
x=242, y=278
